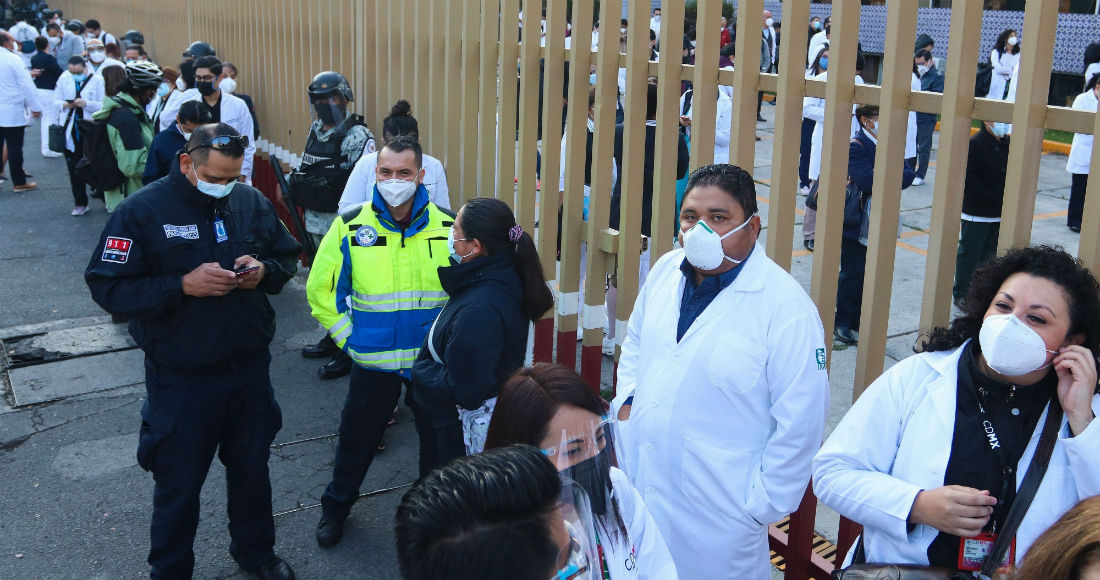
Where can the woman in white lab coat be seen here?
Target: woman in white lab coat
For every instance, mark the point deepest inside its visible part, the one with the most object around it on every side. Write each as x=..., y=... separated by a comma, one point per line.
x=1004, y=58
x=1080, y=156
x=551, y=407
x=914, y=458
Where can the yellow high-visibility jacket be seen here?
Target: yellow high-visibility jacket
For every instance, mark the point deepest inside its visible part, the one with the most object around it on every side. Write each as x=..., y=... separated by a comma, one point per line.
x=375, y=287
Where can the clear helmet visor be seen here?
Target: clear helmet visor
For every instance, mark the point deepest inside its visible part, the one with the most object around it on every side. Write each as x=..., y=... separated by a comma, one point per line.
x=329, y=110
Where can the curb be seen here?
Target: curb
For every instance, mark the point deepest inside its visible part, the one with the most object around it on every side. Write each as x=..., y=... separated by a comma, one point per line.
x=1048, y=145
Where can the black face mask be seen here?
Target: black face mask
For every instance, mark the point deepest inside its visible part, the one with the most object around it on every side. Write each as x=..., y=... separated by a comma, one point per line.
x=328, y=113
x=594, y=476
x=206, y=88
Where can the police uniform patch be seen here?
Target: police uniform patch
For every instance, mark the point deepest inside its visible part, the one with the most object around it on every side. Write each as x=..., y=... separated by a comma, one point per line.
x=117, y=250
x=190, y=232
x=366, y=236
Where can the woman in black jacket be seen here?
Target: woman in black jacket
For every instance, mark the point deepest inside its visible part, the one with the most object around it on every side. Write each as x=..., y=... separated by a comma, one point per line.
x=497, y=288
x=983, y=196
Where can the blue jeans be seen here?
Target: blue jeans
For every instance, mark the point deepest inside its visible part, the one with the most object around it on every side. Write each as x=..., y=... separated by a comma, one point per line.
x=188, y=417
x=372, y=396
x=924, y=146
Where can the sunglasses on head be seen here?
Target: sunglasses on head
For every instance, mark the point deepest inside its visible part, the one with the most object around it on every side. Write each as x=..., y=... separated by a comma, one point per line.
x=222, y=142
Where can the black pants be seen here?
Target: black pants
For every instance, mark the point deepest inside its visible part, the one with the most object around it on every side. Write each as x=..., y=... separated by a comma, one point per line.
x=977, y=243
x=372, y=395
x=925, y=129
x=440, y=434
x=186, y=418
x=13, y=138
x=1078, y=182
x=849, y=291
x=804, y=150
x=80, y=189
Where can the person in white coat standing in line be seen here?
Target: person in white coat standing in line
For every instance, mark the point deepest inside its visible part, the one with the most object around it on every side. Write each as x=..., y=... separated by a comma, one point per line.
x=934, y=452
x=17, y=95
x=1080, y=156
x=722, y=389
x=225, y=107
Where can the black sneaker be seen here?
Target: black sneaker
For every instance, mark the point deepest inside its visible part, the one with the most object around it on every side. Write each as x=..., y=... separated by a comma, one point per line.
x=329, y=532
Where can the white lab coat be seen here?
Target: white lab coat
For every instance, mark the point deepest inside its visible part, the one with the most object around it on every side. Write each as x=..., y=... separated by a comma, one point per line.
x=65, y=90
x=360, y=185
x=724, y=422
x=1080, y=152
x=896, y=440
x=17, y=91
x=1002, y=72
x=721, y=125
x=646, y=554
x=911, y=127
x=814, y=108
x=172, y=105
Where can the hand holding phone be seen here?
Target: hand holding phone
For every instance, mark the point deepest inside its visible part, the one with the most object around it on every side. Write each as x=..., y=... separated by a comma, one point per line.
x=246, y=269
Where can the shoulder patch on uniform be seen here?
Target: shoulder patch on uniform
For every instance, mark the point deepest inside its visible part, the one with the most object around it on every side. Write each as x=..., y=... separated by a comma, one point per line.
x=820, y=354
x=117, y=250
x=366, y=236
x=370, y=147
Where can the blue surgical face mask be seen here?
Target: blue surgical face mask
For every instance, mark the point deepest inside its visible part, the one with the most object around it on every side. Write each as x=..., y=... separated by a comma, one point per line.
x=592, y=79
x=823, y=63
x=214, y=190
x=451, y=246
x=1000, y=130
x=78, y=78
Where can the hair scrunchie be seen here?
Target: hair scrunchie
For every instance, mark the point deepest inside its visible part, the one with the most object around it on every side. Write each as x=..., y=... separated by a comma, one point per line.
x=515, y=233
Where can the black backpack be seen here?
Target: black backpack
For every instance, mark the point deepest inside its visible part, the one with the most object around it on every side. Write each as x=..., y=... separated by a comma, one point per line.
x=98, y=167
x=983, y=79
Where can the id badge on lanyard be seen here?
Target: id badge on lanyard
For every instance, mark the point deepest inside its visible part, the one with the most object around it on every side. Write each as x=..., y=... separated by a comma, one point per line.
x=220, y=233
x=973, y=551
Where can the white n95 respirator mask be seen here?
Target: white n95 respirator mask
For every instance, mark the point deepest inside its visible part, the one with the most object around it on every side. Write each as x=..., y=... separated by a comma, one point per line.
x=703, y=246
x=1011, y=347
x=396, y=191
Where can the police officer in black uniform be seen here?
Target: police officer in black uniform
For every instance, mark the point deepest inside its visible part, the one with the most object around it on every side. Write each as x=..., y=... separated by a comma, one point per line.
x=335, y=143
x=190, y=259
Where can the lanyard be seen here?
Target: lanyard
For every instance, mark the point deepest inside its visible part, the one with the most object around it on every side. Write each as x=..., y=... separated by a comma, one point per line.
x=1008, y=472
x=603, y=559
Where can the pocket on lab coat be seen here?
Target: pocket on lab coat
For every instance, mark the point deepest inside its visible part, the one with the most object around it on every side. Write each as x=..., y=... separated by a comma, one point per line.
x=736, y=364
x=713, y=478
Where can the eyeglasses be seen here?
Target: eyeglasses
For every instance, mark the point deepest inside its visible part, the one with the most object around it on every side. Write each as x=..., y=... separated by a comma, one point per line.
x=223, y=142
x=205, y=78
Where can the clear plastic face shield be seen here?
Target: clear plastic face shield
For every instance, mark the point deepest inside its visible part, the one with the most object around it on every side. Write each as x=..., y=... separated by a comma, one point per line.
x=583, y=454
x=330, y=110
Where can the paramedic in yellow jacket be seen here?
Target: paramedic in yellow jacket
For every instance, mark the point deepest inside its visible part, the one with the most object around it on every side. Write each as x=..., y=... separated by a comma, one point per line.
x=375, y=287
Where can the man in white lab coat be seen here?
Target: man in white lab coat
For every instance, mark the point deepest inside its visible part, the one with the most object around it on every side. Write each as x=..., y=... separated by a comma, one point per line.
x=226, y=108
x=722, y=389
x=17, y=95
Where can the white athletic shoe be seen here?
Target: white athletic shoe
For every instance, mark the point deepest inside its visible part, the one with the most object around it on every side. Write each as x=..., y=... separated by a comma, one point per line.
x=918, y=181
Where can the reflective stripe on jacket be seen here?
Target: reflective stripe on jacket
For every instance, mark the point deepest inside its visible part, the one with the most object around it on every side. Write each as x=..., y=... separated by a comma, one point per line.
x=375, y=287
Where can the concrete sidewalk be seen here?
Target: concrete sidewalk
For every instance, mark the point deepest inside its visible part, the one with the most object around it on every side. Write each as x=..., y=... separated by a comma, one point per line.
x=76, y=504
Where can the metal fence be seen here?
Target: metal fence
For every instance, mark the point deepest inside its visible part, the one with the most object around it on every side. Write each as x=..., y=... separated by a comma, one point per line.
x=462, y=66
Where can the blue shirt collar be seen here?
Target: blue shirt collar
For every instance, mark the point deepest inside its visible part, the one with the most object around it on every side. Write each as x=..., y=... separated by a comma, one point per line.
x=722, y=280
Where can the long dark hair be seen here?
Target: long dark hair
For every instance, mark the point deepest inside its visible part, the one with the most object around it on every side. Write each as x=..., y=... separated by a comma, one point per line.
x=400, y=122
x=491, y=222
x=1002, y=42
x=1052, y=263
x=816, y=66
x=529, y=400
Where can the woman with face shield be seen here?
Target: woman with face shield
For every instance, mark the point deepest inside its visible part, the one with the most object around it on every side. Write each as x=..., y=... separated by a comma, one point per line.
x=552, y=408
x=942, y=459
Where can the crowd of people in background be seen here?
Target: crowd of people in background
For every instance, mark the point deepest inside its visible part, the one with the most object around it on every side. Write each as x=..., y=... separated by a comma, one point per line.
x=526, y=471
